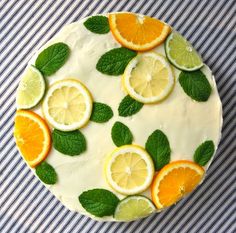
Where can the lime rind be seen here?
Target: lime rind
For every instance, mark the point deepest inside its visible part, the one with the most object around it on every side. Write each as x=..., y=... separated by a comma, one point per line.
x=181, y=53
x=31, y=89
x=134, y=207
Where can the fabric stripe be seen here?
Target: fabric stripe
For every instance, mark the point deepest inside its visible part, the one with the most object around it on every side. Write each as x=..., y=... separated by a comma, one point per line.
x=8, y=13
x=26, y=205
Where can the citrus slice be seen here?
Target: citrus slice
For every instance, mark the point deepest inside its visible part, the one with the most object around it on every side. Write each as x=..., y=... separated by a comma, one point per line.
x=133, y=207
x=181, y=53
x=31, y=89
x=174, y=181
x=129, y=169
x=67, y=105
x=138, y=32
x=148, y=78
x=32, y=136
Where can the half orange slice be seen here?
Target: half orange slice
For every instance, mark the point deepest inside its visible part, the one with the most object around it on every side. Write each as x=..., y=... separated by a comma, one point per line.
x=174, y=181
x=32, y=136
x=138, y=32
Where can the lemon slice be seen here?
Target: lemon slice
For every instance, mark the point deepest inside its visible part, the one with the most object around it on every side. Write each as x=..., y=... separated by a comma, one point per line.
x=134, y=207
x=148, y=78
x=67, y=105
x=31, y=89
x=129, y=169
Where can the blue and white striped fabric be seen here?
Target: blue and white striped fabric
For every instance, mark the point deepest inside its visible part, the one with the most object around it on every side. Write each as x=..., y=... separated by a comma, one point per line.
x=27, y=206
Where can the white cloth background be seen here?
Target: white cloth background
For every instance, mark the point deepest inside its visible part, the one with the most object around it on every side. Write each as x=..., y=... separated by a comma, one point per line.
x=26, y=205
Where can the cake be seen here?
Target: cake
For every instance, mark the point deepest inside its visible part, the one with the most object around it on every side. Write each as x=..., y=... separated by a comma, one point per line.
x=118, y=116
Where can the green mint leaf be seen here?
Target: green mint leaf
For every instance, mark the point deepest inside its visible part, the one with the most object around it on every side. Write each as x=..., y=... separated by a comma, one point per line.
x=195, y=85
x=129, y=106
x=101, y=113
x=69, y=143
x=97, y=24
x=52, y=58
x=204, y=152
x=115, y=61
x=121, y=135
x=158, y=147
x=46, y=173
x=99, y=202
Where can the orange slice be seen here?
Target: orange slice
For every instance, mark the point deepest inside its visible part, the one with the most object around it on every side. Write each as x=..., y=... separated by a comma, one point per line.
x=32, y=136
x=174, y=181
x=138, y=32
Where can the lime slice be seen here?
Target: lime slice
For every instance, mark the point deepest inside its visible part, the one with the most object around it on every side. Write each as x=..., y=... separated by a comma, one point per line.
x=181, y=53
x=31, y=89
x=134, y=207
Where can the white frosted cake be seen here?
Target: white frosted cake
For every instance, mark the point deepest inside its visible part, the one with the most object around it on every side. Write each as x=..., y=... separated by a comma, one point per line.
x=118, y=116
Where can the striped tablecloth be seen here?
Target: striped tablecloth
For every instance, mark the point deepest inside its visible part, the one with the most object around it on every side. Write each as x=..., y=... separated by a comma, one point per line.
x=26, y=205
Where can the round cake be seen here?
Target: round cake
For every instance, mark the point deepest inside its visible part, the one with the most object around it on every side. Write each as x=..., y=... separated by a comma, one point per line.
x=118, y=116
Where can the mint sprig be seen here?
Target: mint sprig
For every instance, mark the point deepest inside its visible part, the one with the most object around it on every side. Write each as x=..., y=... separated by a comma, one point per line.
x=204, y=152
x=97, y=24
x=52, y=58
x=158, y=147
x=129, y=106
x=115, y=61
x=69, y=143
x=46, y=173
x=99, y=202
x=101, y=113
x=195, y=85
x=121, y=134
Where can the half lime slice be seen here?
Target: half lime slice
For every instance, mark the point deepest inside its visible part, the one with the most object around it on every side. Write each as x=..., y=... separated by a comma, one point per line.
x=181, y=53
x=31, y=89
x=134, y=207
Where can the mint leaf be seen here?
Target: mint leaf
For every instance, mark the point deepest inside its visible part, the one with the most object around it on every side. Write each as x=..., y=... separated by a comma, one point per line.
x=46, y=173
x=69, y=143
x=158, y=147
x=52, y=58
x=121, y=135
x=101, y=113
x=115, y=61
x=97, y=24
x=195, y=85
x=129, y=106
x=99, y=202
x=204, y=152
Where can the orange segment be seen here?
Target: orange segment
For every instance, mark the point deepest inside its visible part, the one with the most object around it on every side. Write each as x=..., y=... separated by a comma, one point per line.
x=32, y=136
x=138, y=32
x=174, y=181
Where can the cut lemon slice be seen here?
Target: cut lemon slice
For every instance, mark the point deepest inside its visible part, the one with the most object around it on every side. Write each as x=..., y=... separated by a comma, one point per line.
x=138, y=32
x=32, y=136
x=181, y=53
x=67, y=105
x=129, y=169
x=148, y=78
x=31, y=89
x=134, y=207
x=174, y=181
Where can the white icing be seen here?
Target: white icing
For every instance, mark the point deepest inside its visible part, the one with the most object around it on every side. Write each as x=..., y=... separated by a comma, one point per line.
x=186, y=123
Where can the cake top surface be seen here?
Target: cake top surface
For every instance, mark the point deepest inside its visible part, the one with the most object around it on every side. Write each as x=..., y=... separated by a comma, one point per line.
x=185, y=122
